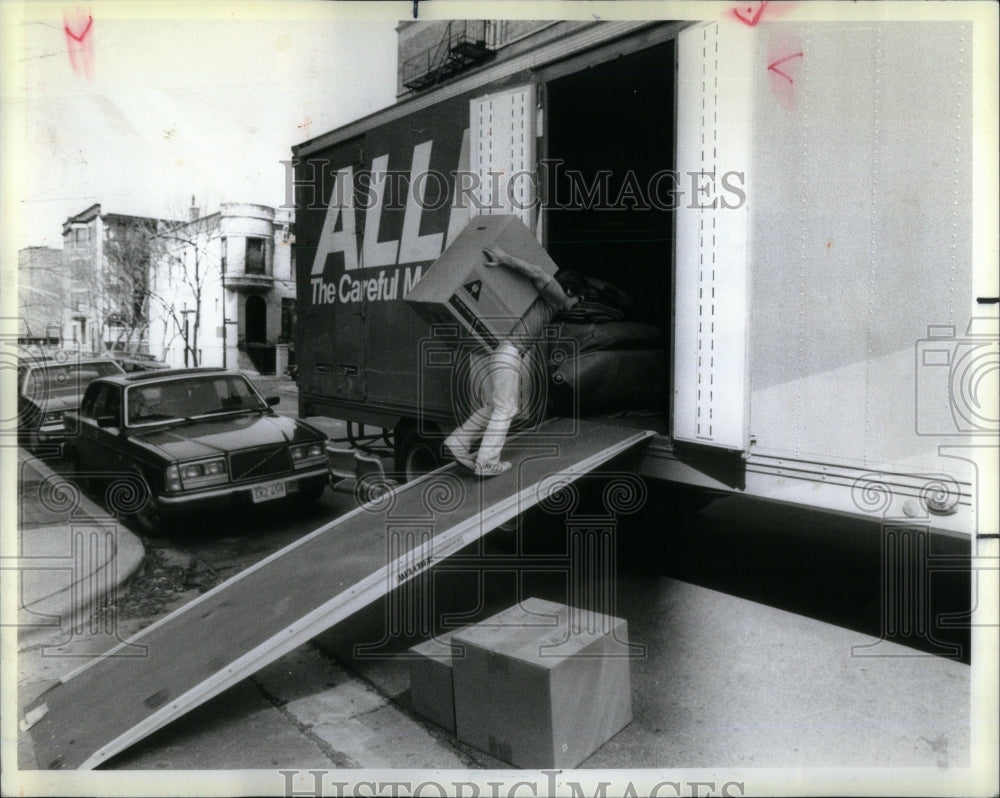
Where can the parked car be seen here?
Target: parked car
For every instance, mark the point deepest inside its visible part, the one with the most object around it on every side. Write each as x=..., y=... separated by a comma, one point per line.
x=48, y=387
x=195, y=439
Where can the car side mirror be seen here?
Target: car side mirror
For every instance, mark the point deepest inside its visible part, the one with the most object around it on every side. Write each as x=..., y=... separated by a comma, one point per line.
x=273, y=400
x=107, y=421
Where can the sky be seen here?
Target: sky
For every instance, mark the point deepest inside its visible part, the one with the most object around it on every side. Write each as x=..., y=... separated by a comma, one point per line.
x=145, y=106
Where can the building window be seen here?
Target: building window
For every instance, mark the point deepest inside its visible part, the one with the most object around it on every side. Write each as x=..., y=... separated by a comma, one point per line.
x=225, y=250
x=255, y=256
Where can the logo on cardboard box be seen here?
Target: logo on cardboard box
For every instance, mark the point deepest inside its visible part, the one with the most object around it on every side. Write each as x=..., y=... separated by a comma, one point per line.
x=474, y=288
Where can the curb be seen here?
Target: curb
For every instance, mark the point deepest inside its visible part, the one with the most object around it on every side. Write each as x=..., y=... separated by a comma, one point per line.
x=67, y=568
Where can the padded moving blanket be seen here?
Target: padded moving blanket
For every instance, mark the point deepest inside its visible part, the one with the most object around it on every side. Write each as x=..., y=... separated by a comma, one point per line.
x=610, y=381
x=612, y=335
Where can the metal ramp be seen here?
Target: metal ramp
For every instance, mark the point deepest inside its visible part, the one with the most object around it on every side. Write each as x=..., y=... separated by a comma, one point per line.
x=244, y=624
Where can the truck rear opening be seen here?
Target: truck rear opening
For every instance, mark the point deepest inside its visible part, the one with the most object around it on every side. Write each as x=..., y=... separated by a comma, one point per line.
x=608, y=165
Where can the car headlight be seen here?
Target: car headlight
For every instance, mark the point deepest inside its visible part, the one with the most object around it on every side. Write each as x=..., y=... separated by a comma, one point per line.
x=54, y=417
x=202, y=473
x=307, y=451
x=173, y=478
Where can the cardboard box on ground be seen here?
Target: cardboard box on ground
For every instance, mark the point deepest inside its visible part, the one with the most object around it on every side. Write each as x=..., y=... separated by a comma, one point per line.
x=539, y=685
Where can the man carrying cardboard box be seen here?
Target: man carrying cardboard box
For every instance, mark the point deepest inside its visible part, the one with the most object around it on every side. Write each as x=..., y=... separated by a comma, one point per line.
x=492, y=421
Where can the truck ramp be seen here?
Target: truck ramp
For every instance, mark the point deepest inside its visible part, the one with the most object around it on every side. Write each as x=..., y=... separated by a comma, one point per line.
x=264, y=612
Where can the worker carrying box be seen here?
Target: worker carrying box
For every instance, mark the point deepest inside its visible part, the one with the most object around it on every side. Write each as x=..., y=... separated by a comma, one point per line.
x=502, y=287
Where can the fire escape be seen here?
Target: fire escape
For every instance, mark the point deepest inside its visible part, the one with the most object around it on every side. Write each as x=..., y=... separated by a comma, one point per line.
x=463, y=46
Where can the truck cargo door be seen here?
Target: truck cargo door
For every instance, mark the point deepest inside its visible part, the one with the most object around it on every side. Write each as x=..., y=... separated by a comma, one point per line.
x=502, y=153
x=710, y=398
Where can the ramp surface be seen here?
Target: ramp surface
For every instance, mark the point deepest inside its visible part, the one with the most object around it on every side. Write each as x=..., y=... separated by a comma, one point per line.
x=285, y=600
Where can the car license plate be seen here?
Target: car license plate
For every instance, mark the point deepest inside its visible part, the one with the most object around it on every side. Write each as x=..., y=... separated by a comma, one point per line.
x=268, y=491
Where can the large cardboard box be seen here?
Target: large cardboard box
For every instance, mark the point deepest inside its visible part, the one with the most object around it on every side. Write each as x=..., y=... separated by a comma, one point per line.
x=537, y=692
x=431, y=686
x=486, y=301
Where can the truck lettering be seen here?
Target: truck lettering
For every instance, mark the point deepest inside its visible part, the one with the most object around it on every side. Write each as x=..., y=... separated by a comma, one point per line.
x=413, y=246
x=323, y=293
x=465, y=197
x=332, y=240
x=411, y=277
x=368, y=191
x=375, y=289
x=374, y=252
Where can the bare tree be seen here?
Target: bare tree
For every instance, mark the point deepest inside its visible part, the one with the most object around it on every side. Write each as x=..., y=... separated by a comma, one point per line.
x=124, y=289
x=185, y=262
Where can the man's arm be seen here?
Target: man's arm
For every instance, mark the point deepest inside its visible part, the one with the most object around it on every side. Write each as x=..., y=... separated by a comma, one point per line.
x=497, y=257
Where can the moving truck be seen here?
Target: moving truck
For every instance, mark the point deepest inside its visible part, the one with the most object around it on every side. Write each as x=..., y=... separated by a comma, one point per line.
x=789, y=204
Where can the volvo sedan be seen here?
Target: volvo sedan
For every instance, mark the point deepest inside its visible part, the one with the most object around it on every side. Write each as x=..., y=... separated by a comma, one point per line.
x=184, y=440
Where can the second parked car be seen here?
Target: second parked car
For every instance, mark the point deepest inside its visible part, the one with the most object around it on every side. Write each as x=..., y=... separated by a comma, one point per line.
x=192, y=439
x=49, y=386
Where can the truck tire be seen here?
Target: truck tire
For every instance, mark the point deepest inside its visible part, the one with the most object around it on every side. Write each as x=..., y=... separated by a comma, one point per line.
x=416, y=454
x=312, y=494
x=680, y=499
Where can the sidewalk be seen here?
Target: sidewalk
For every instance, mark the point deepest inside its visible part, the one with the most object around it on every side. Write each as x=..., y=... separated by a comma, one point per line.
x=73, y=554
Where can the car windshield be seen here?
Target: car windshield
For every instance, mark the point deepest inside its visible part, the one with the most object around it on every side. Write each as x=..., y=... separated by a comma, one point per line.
x=66, y=379
x=190, y=397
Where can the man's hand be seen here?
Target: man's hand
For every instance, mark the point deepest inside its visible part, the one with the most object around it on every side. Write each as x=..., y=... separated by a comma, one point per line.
x=495, y=256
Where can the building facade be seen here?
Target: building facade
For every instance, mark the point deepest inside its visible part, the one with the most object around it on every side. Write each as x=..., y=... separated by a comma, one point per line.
x=222, y=289
x=106, y=258
x=42, y=285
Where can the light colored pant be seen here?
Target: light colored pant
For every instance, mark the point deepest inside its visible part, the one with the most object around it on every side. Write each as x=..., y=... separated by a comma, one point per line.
x=492, y=420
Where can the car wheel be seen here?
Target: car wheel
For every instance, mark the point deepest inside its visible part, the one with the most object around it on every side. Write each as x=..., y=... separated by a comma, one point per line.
x=148, y=517
x=79, y=473
x=416, y=454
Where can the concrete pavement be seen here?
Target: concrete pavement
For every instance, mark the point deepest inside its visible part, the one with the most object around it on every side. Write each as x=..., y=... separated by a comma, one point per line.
x=725, y=680
x=73, y=554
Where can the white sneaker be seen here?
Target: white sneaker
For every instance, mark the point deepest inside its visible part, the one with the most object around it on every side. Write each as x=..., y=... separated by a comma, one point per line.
x=459, y=453
x=492, y=469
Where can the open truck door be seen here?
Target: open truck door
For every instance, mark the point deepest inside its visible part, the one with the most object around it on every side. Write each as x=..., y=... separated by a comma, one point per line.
x=502, y=153
x=710, y=375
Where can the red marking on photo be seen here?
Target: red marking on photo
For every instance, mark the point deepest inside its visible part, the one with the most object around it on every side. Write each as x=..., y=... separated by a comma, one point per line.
x=773, y=67
x=750, y=14
x=79, y=29
x=785, y=55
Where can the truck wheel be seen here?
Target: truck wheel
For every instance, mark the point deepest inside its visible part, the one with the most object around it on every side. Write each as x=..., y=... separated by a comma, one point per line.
x=679, y=499
x=416, y=454
x=312, y=494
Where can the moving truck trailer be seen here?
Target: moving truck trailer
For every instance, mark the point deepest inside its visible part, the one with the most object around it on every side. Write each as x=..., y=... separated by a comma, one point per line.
x=790, y=205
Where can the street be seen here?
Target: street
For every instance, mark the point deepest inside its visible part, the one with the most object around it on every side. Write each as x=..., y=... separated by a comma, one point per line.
x=755, y=621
